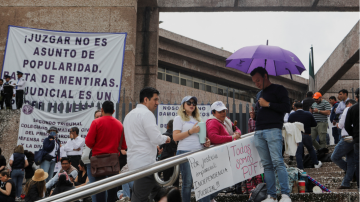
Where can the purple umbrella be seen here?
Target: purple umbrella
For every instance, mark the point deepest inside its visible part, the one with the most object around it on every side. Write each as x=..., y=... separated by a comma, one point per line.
x=275, y=60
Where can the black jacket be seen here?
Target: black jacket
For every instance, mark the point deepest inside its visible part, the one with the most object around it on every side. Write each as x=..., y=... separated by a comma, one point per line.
x=33, y=194
x=169, y=149
x=62, y=187
x=29, y=172
x=303, y=117
x=48, y=146
x=352, y=122
x=307, y=102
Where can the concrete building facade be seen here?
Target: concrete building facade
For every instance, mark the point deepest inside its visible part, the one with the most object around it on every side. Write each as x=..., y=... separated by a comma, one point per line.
x=149, y=47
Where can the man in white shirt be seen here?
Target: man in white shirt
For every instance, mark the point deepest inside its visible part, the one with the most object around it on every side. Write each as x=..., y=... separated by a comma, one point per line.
x=20, y=87
x=345, y=147
x=74, y=147
x=142, y=135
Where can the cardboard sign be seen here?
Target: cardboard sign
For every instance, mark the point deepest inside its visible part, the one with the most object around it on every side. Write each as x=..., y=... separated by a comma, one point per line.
x=211, y=171
x=244, y=159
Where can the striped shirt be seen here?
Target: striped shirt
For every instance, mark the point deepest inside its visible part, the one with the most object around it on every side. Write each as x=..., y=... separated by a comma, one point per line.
x=322, y=106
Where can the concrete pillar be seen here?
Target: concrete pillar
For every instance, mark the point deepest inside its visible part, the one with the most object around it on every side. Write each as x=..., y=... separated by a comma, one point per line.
x=147, y=42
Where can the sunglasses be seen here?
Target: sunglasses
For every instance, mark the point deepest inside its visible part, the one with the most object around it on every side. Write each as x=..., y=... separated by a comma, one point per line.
x=190, y=103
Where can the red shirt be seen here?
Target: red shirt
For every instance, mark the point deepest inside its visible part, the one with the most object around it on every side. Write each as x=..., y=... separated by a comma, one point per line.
x=217, y=133
x=104, y=136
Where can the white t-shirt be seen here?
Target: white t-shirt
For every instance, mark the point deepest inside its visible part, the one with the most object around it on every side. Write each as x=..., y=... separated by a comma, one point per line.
x=12, y=157
x=192, y=142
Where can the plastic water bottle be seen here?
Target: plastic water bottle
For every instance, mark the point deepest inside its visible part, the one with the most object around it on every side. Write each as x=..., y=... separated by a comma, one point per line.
x=304, y=177
x=202, y=133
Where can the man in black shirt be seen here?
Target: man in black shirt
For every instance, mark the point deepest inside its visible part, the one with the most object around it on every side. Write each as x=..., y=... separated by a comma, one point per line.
x=352, y=128
x=308, y=120
x=273, y=102
x=308, y=101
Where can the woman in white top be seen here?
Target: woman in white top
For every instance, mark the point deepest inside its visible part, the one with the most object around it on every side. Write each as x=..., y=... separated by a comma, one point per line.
x=186, y=131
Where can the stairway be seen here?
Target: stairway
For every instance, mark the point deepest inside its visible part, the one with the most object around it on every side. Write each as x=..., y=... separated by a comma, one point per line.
x=329, y=175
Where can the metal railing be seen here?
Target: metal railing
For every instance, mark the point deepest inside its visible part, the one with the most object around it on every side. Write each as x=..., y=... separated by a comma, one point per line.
x=117, y=180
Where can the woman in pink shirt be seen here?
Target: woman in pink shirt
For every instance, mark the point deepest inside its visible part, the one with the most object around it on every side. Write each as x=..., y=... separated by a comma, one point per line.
x=219, y=128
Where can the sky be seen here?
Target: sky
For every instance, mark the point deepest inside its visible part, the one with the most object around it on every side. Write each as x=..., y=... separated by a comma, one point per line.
x=293, y=31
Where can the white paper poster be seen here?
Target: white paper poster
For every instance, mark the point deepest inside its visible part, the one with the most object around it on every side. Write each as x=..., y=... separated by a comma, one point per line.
x=211, y=171
x=62, y=66
x=166, y=112
x=34, y=124
x=244, y=159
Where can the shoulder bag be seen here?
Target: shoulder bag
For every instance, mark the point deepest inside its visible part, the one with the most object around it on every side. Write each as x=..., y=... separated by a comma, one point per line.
x=105, y=164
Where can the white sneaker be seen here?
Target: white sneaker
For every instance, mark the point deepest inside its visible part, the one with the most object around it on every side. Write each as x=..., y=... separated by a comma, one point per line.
x=270, y=199
x=285, y=198
x=318, y=165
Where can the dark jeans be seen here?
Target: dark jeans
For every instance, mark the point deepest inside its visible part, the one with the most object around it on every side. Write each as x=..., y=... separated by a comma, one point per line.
x=335, y=134
x=19, y=98
x=307, y=142
x=75, y=161
x=143, y=188
x=111, y=193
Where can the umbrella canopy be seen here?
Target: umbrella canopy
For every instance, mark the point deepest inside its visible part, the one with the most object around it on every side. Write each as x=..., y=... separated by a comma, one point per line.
x=275, y=60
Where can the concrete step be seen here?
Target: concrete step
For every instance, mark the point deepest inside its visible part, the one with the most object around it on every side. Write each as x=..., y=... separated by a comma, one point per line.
x=328, y=169
x=350, y=196
x=316, y=174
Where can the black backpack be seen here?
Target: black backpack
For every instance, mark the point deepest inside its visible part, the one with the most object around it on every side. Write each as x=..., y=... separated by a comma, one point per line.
x=259, y=193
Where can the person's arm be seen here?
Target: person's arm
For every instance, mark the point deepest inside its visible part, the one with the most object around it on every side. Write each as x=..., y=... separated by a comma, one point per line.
x=87, y=181
x=74, y=173
x=152, y=130
x=8, y=189
x=212, y=129
x=11, y=162
x=90, y=137
x=341, y=123
x=52, y=181
x=26, y=163
x=283, y=104
x=48, y=144
x=123, y=145
x=349, y=122
x=78, y=143
x=69, y=146
x=76, y=179
x=2, y=167
x=21, y=82
x=177, y=127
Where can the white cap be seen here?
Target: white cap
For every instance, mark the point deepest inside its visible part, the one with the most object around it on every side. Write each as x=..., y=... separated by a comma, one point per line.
x=218, y=106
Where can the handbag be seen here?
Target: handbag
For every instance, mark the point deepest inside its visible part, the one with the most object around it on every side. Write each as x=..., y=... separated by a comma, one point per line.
x=105, y=164
x=259, y=193
x=39, y=156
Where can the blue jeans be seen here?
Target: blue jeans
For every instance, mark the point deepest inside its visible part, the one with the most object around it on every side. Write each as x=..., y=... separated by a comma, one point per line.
x=335, y=134
x=91, y=180
x=126, y=189
x=48, y=166
x=18, y=175
x=108, y=195
x=345, y=149
x=269, y=145
x=356, y=159
x=307, y=141
x=187, y=181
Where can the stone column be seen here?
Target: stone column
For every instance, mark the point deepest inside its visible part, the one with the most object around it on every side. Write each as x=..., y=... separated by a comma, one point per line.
x=147, y=42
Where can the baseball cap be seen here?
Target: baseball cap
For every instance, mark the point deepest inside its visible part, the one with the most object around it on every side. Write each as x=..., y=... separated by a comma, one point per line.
x=218, y=106
x=187, y=98
x=317, y=95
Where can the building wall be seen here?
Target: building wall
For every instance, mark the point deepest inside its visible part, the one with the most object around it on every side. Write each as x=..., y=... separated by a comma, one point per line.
x=9, y=129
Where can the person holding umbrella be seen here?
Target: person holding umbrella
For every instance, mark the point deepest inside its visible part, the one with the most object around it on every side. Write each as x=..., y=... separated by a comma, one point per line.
x=270, y=110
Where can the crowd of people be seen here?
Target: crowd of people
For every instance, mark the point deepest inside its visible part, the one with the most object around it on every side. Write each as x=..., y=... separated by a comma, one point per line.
x=137, y=142
x=10, y=89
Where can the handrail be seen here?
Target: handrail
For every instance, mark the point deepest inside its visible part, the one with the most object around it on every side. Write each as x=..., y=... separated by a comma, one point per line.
x=116, y=180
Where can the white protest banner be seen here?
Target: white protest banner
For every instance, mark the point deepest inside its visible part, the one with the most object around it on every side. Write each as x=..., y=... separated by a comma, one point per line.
x=244, y=159
x=166, y=112
x=34, y=124
x=59, y=65
x=211, y=171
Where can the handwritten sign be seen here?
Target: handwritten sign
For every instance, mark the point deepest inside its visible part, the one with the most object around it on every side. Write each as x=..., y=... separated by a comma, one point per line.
x=167, y=112
x=34, y=124
x=211, y=171
x=244, y=159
